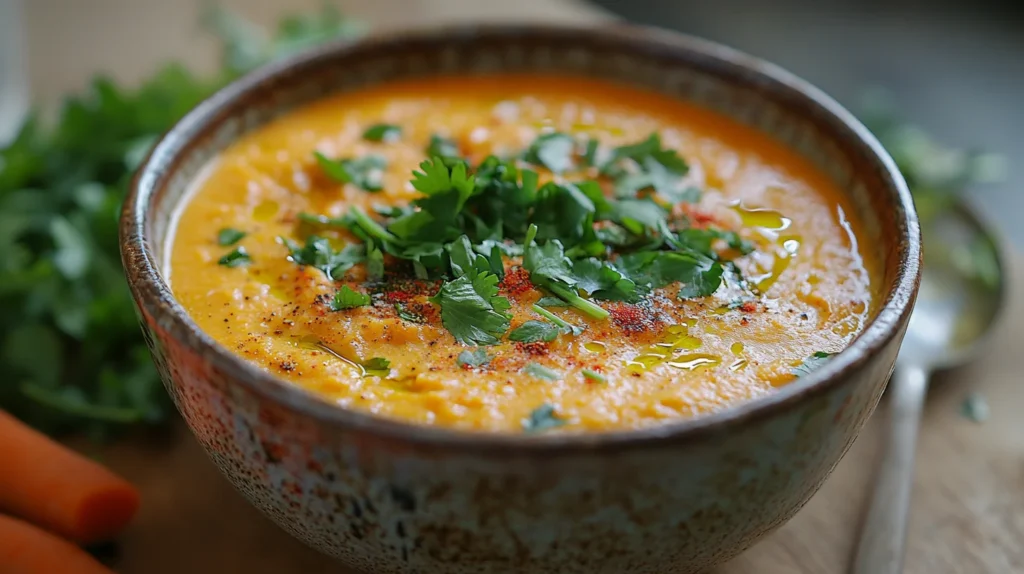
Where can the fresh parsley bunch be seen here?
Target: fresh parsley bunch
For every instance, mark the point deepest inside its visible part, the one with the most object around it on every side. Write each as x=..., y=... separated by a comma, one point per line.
x=70, y=347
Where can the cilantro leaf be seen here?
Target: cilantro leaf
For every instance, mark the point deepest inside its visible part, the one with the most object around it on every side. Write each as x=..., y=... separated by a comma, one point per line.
x=377, y=366
x=446, y=190
x=541, y=372
x=541, y=419
x=374, y=262
x=552, y=150
x=347, y=298
x=602, y=281
x=594, y=376
x=700, y=276
x=237, y=258
x=474, y=358
x=534, y=331
x=471, y=309
x=652, y=167
x=227, y=236
x=816, y=360
x=317, y=252
x=550, y=269
x=563, y=212
x=366, y=172
x=382, y=133
x=444, y=148
x=637, y=215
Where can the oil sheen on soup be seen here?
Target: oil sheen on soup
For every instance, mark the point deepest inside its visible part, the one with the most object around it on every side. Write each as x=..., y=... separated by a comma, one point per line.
x=521, y=254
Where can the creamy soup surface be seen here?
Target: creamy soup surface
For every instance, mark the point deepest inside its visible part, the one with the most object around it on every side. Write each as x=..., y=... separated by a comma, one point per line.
x=679, y=262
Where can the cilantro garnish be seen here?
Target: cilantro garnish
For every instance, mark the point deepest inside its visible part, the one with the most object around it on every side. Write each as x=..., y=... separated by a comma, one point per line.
x=237, y=258
x=542, y=418
x=533, y=332
x=366, y=172
x=348, y=298
x=474, y=358
x=602, y=281
x=405, y=314
x=541, y=372
x=227, y=236
x=811, y=363
x=594, y=376
x=318, y=252
x=553, y=151
x=377, y=366
x=444, y=148
x=382, y=133
x=698, y=275
x=446, y=190
x=650, y=166
x=471, y=309
x=550, y=269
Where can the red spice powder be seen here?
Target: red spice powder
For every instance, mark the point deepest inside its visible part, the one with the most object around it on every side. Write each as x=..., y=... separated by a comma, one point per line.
x=698, y=217
x=748, y=307
x=537, y=348
x=516, y=281
x=632, y=318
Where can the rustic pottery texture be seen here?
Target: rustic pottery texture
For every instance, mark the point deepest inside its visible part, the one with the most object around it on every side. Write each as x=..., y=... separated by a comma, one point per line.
x=383, y=496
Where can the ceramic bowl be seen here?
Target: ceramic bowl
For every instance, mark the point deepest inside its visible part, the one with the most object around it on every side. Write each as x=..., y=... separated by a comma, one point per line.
x=385, y=496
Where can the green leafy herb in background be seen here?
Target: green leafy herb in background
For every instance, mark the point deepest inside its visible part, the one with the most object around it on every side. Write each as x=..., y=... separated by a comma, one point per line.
x=71, y=352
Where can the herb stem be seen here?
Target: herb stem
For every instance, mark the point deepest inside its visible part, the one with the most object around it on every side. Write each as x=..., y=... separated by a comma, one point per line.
x=371, y=227
x=577, y=301
x=551, y=316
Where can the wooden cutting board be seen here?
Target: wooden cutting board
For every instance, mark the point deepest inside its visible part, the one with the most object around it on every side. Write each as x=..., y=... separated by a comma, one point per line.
x=969, y=498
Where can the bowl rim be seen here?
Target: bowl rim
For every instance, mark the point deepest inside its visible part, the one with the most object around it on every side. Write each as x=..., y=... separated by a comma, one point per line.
x=153, y=295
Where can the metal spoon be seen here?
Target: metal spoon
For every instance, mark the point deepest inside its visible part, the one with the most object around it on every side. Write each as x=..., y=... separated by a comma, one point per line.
x=962, y=292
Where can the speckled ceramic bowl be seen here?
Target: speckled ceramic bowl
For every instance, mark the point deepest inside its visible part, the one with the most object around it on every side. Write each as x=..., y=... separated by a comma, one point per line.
x=383, y=496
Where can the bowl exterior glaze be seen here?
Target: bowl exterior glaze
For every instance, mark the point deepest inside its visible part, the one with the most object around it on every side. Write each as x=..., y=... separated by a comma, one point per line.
x=383, y=496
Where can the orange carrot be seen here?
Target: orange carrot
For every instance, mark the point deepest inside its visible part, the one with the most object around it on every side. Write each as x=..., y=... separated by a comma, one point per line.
x=59, y=489
x=25, y=549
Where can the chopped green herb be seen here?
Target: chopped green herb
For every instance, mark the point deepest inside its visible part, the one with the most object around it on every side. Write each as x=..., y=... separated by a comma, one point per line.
x=564, y=325
x=548, y=301
x=541, y=372
x=541, y=419
x=602, y=281
x=553, y=150
x=811, y=363
x=237, y=258
x=377, y=366
x=533, y=332
x=317, y=252
x=474, y=358
x=975, y=408
x=366, y=172
x=594, y=376
x=374, y=262
x=382, y=133
x=443, y=148
x=405, y=314
x=471, y=309
x=446, y=190
x=347, y=298
x=228, y=236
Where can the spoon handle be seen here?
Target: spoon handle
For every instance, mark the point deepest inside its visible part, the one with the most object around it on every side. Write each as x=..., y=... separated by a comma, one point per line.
x=882, y=539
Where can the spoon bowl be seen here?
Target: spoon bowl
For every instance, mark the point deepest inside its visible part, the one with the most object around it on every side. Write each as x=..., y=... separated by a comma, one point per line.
x=961, y=290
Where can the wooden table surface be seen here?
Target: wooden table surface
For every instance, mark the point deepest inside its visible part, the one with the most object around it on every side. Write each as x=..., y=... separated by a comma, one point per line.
x=968, y=515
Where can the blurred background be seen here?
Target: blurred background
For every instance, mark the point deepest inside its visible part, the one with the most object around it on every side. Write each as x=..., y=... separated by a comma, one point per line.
x=955, y=68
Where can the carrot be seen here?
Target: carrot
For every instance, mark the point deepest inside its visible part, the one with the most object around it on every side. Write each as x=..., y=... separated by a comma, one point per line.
x=59, y=489
x=25, y=549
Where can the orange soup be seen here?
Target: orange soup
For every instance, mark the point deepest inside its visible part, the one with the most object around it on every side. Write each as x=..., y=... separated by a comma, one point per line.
x=521, y=254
